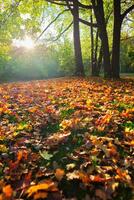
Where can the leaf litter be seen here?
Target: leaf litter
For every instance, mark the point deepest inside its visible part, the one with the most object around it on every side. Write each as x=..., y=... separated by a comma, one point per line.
x=67, y=138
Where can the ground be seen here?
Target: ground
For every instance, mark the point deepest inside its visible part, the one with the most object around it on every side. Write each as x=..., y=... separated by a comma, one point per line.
x=67, y=138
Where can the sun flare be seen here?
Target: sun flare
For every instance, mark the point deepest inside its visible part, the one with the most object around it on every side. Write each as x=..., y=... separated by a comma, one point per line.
x=27, y=43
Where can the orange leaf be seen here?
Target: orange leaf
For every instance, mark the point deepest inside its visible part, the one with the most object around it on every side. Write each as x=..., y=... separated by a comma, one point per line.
x=25, y=154
x=84, y=177
x=7, y=190
x=104, y=120
x=123, y=175
x=59, y=174
x=1, y=197
x=19, y=155
x=113, y=151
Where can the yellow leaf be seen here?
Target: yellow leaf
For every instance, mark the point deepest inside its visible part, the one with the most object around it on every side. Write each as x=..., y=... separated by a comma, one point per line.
x=132, y=143
x=1, y=110
x=128, y=129
x=47, y=186
x=3, y=148
x=22, y=127
x=15, y=133
x=88, y=102
x=70, y=166
x=66, y=124
x=33, y=109
x=114, y=185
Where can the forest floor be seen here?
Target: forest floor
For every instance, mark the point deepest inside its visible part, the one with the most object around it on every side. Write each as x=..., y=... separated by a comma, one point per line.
x=67, y=139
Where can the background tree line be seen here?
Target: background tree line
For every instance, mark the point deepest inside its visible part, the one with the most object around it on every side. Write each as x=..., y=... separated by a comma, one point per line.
x=72, y=37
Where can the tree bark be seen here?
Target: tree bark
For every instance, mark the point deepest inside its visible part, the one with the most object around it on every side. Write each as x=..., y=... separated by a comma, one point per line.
x=99, y=60
x=79, y=71
x=100, y=18
x=92, y=46
x=116, y=39
x=94, y=50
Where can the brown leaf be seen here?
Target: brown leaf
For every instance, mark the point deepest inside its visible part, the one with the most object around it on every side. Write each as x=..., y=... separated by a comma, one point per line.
x=40, y=195
x=101, y=194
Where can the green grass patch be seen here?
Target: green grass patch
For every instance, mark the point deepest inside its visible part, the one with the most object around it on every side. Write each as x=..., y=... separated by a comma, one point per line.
x=66, y=113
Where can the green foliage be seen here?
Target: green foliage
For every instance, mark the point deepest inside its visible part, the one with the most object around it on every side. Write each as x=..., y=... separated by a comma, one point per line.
x=52, y=57
x=127, y=56
x=67, y=113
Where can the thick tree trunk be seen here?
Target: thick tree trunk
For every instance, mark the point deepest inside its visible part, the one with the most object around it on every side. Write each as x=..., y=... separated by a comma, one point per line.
x=77, y=44
x=116, y=40
x=100, y=18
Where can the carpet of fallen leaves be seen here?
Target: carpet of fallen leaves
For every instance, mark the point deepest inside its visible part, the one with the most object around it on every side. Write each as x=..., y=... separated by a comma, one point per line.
x=67, y=139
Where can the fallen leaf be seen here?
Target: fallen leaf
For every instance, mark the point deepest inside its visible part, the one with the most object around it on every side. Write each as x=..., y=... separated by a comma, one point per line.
x=59, y=174
x=8, y=191
x=101, y=194
x=46, y=186
x=40, y=195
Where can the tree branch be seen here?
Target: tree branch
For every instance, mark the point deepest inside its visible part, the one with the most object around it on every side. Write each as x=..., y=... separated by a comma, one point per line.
x=87, y=23
x=66, y=29
x=69, y=6
x=57, y=2
x=84, y=6
x=50, y=24
x=126, y=12
x=127, y=38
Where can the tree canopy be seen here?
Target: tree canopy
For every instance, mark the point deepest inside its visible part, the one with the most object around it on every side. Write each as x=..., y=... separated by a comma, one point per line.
x=87, y=36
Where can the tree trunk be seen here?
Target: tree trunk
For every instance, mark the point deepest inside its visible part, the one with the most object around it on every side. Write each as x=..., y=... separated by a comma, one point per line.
x=92, y=46
x=99, y=61
x=94, y=50
x=77, y=44
x=116, y=40
x=100, y=18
